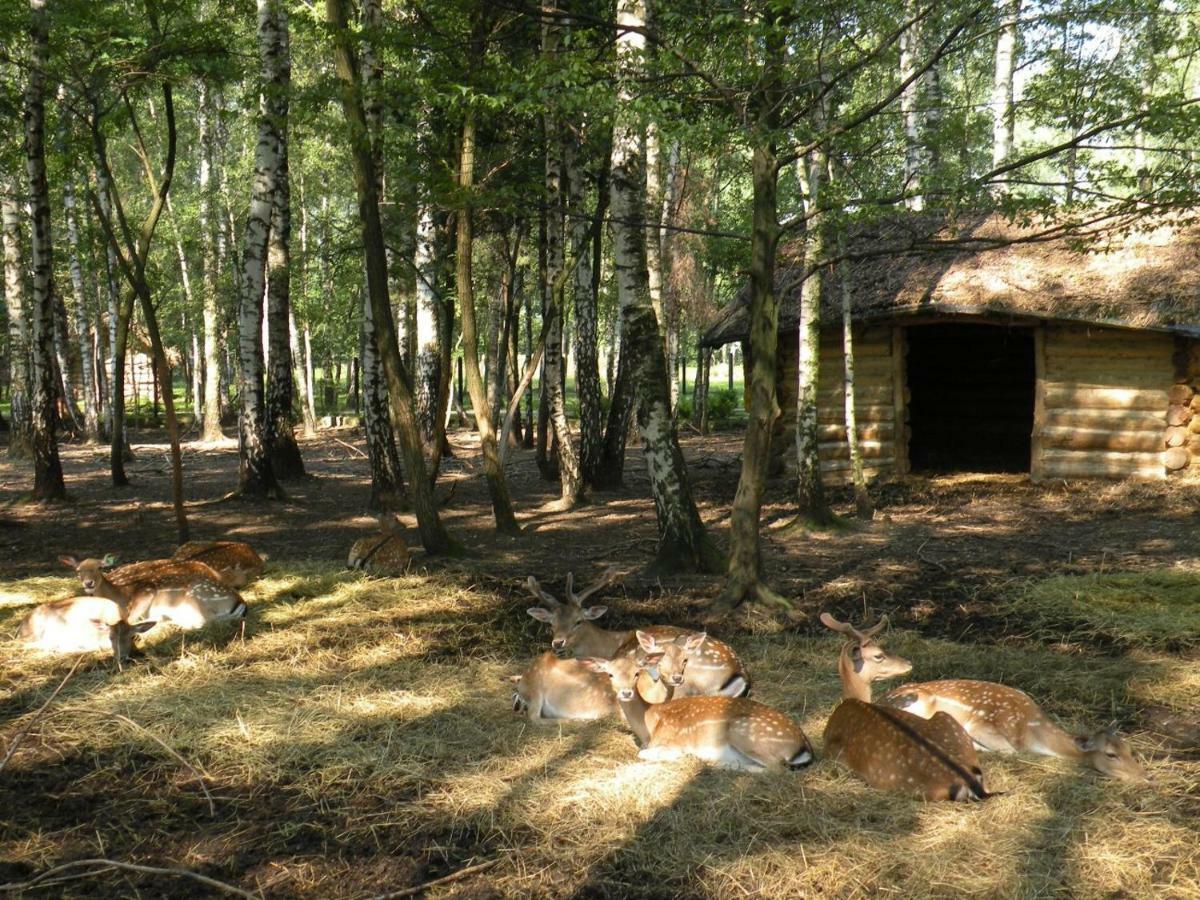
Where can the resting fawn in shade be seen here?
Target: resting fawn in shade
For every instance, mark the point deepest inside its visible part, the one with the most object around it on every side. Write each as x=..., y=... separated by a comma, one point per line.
x=186, y=593
x=889, y=748
x=714, y=669
x=385, y=552
x=553, y=688
x=236, y=562
x=730, y=732
x=81, y=624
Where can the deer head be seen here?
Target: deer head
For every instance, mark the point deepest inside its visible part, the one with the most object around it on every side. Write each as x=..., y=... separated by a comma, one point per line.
x=1107, y=752
x=870, y=661
x=90, y=571
x=566, y=619
x=672, y=655
x=121, y=636
x=623, y=670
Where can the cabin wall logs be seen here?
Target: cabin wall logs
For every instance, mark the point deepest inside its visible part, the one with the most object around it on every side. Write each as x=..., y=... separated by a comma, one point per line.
x=1114, y=403
x=875, y=377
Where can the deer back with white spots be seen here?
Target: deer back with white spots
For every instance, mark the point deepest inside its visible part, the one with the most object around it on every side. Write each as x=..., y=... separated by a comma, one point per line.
x=236, y=562
x=385, y=553
x=889, y=748
x=553, y=688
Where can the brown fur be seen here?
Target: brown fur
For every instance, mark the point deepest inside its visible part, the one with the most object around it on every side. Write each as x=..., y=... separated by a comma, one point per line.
x=236, y=562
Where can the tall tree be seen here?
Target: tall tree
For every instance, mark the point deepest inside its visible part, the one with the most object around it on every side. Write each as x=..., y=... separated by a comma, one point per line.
x=400, y=390
x=48, y=475
x=210, y=229
x=286, y=462
x=1003, y=120
x=87, y=364
x=256, y=476
x=683, y=543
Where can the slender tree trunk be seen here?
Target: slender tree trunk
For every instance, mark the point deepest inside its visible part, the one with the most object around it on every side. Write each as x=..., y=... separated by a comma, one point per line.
x=910, y=43
x=428, y=371
x=683, y=543
x=810, y=488
x=256, y=476
x=48, y=476
x=91, y=418
x=622, y=402
x=529, y=428
x=700, y=403
x=210, y=229
x=286, y=462
x=302, y=378
x=1003, y=121
x=400, y=391
x=493, y=467
x=20, y=387
x=863, y=507
x=568, y=463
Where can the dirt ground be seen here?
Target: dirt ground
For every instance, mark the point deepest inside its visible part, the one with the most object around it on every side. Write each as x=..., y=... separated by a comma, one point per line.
x=939, y=550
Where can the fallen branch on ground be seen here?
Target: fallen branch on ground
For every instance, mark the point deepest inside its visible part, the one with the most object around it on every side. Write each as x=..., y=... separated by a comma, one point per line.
x=16, y=741
x=103, y=865
x=445, y=879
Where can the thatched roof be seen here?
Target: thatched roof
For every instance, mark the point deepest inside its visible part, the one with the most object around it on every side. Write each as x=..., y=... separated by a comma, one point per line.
x=1147, y=279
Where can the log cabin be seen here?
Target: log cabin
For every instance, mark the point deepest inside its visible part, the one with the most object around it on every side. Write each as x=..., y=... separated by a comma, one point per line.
x=984, y=348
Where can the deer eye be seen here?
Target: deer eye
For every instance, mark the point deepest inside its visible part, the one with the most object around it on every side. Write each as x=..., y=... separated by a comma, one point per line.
x=1110, y=754
x=879, y=657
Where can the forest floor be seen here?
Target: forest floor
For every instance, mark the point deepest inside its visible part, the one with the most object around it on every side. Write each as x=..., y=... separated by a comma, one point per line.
x=357, y=738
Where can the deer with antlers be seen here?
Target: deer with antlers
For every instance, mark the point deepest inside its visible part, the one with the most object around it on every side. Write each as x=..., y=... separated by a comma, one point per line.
x=235, y=562
x=728, y=732
x=889, y=748
x=189, y=594
x=712, y=666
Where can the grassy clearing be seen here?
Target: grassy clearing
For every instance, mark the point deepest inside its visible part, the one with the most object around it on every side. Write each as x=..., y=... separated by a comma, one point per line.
x=359, y=738
x=1152, y=610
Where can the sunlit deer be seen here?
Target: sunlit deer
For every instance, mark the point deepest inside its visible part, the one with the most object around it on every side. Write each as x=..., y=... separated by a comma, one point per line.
x=186, y=593
x=553, y=688
x=715, y=669
x=695, y=665
x=81, y=624
x=236, y=562
x=1005, y=720
x=729, y=732
x=385, y=552
x=889, y=748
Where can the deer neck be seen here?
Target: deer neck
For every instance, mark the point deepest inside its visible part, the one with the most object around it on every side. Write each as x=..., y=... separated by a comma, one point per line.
x=635, y=714
x=596, y=641
x=854, y=686
x=1055, y=741
x=109, y=591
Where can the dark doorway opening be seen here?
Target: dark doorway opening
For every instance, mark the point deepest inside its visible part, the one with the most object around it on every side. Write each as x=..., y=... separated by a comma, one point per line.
x=971, y=406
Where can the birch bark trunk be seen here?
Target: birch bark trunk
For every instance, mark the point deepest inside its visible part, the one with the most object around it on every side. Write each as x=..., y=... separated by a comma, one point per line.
x=48, y=475
x=209, y=236
x=1003, y=121
x=91, y=417
x=683, y=543
x=20, y=436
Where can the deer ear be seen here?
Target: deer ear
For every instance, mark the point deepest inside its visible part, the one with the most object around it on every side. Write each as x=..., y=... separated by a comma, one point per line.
x=595, y=663
x=110, y=560
x=69, y=561
x=1086, y=743
x=143, y=627
x=691, y=643
x=542, y=615
x=646, y=641
x=594, y=612
x=651, y=660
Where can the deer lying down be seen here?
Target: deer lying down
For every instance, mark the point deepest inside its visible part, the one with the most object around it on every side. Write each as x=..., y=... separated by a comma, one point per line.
x=694, y=664
x=714, y=666
x=80, y=625
x=1005, y=720
x=235, y=562
x=187, y=594
x=553, y=688
x=728, y=732
x=386, y=552
x=889, y=748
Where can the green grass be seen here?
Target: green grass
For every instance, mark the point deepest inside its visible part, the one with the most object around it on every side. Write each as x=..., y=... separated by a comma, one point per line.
x=1155, y=610
x=359, y=739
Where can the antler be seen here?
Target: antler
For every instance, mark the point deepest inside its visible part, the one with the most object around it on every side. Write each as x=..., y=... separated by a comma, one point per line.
x=532, y=585
x=605, y=577
x=846, y=628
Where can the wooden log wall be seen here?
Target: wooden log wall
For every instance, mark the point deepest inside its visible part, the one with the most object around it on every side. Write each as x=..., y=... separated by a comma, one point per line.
x=1110, y=404
x=877, y=375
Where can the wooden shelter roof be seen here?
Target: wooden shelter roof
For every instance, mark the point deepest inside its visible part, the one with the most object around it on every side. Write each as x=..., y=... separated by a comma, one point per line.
x=1145, y=279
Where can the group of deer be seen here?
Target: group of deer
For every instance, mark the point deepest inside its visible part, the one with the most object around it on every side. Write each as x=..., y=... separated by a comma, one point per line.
x=198, y=585
x=684, y=693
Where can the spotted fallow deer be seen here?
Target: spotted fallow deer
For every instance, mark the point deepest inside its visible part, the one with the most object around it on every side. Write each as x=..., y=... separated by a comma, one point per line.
x=716, y=670
x=385, y=553
x=236, y=562
x=728, y=732
x=186, y=593
x=695, y=665
x=889, y=748
x=553, y=688
x=80, y=625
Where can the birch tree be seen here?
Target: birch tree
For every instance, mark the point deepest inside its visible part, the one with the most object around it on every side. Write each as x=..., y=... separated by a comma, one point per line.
x=256, y=477
x=683, y=543
x=20, y=388
x=83, y=333
x=48, y=475
x=1003, y=120
x=210, y=228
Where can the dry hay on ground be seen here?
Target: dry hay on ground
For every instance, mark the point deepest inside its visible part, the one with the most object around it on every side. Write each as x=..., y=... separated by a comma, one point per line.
x=359, y=739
